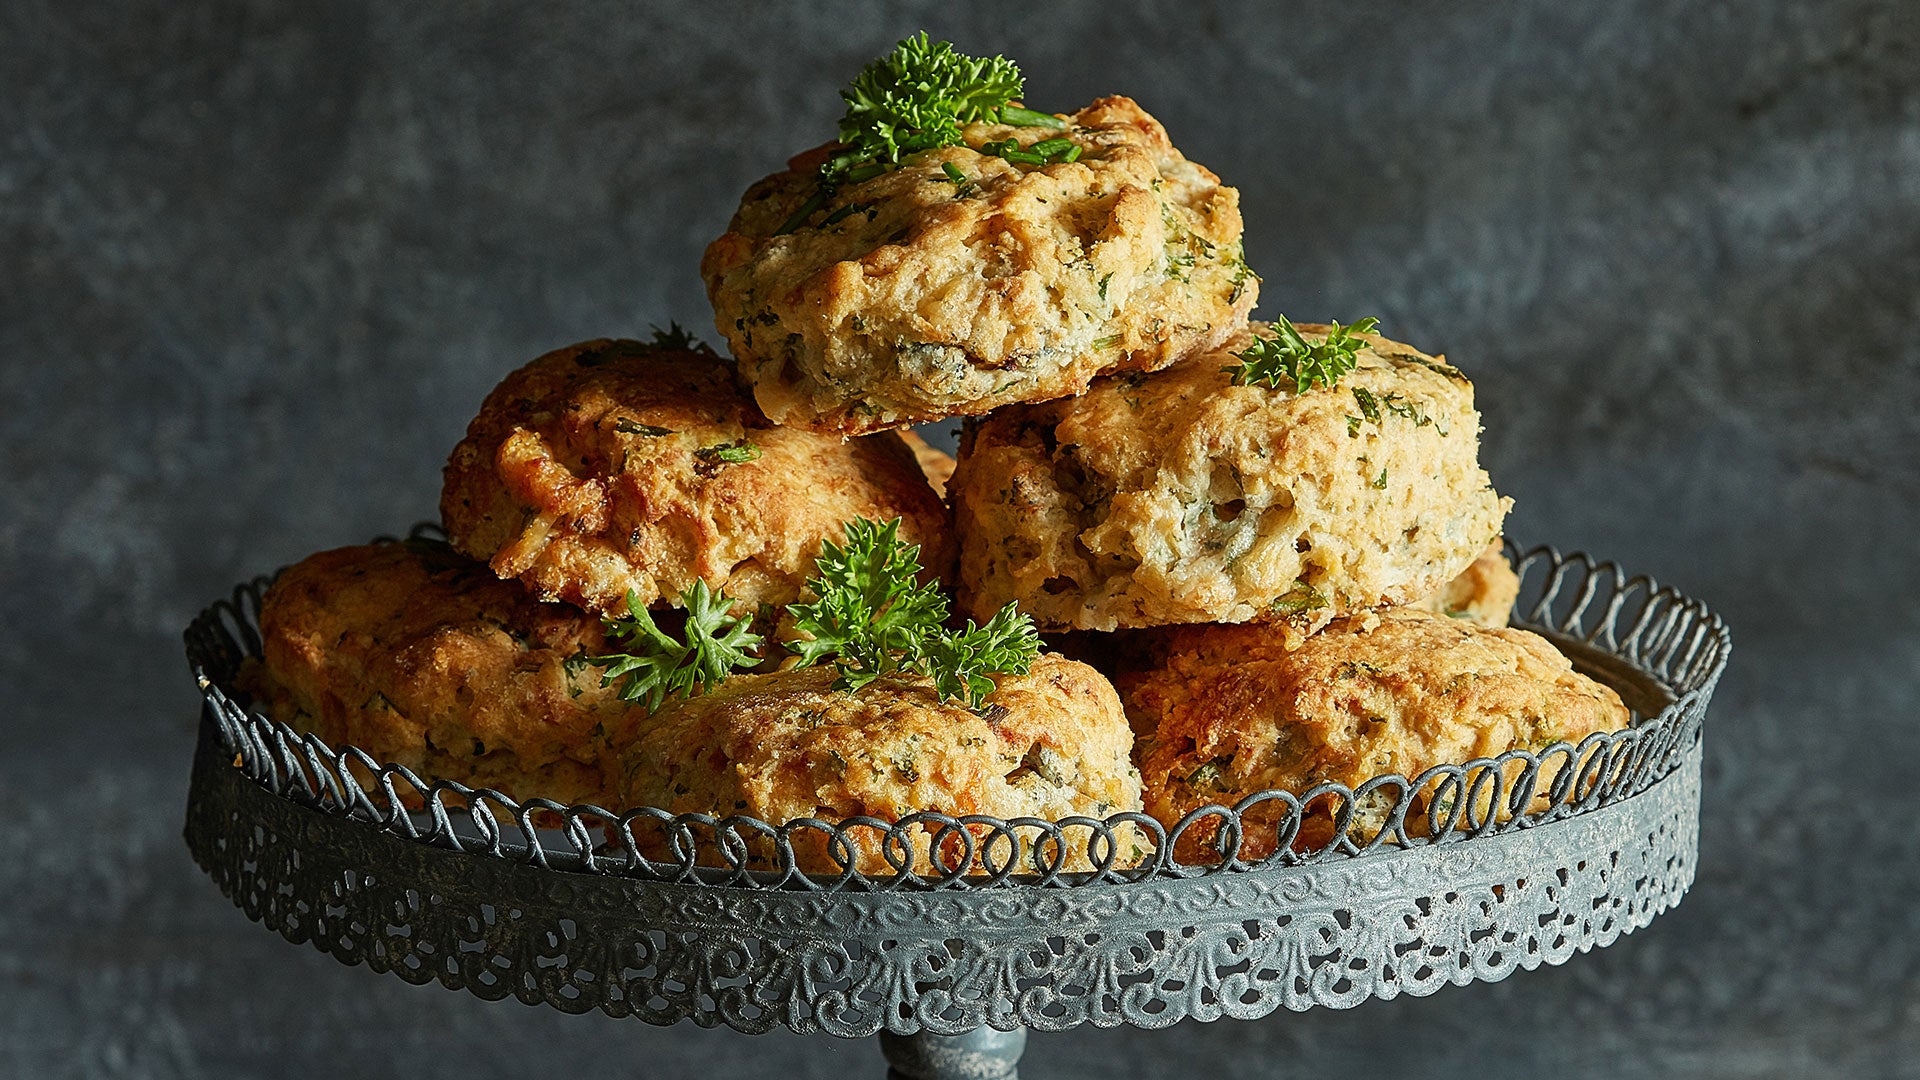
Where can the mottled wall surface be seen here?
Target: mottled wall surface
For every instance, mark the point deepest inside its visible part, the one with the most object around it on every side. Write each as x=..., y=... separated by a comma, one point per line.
x=259, y=263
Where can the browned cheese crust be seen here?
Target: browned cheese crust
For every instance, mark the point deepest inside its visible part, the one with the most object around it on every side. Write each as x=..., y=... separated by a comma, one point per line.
x=935, y=462
x=785, y=745
x=603, y=468
x=1179, y=497
x=1482, y=594
x=424, y=659
x=912, y=297
x=1225, y=711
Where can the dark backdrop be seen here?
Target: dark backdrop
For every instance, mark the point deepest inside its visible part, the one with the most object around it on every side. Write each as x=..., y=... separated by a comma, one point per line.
x=259, y=263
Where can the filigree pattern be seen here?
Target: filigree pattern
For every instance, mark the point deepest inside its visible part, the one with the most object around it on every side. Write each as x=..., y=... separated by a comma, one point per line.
x=475, y=893
x=1661, y=650
x=850, y=964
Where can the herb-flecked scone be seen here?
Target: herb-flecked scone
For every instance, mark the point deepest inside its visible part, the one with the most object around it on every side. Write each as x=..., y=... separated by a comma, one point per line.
x=423, y=658
x=1183, y=497
x=961, y=281
x=1052, y=743
x=1226, y=711
x=1482, y=594
x=616, y=467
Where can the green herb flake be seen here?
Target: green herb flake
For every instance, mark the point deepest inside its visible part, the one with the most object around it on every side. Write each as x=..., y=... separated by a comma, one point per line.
x=1300, y=599
x=1369, y=405
x=1107, y=342
x=626, y=426
x=737, y=452
x=1379, y=483
x=1289, y=358
x=1211, y=776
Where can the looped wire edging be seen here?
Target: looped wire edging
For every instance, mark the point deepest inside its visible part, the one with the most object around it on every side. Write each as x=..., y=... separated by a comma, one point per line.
x=1646, y=630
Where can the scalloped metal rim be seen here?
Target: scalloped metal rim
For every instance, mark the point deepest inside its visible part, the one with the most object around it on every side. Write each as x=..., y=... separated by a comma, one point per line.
x=1665, y=663
x=1227, y=940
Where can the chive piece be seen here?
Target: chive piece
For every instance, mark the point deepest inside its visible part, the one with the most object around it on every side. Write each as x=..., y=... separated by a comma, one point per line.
x=953, y=172
x=800, y=216
x=1072, y=154
x=1050, y=147
x=1019, y=117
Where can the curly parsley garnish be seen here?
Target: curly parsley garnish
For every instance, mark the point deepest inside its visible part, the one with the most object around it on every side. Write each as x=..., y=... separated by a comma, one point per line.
x=656, y=664
x=679, y=337
x=873, y=617
x=917, y=98
x=1288, y=358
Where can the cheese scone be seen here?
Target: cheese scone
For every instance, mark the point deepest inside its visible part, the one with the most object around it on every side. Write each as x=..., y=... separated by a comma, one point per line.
x=785, y=745
x=612, y=467
x=961, y=281
x=1226, y=711
x=1180, y=497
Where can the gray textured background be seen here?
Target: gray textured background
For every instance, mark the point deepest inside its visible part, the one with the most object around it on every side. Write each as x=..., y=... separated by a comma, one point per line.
x=258, y=264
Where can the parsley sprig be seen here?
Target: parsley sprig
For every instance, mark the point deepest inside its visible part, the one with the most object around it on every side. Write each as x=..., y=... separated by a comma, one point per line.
x=873, y=617
x=917, y=98
x=715, y=645
x=1287, y=357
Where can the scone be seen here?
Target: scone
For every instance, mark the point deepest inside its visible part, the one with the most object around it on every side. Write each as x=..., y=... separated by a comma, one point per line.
x=1051, y=744
x=612, y=467
x=423, y=658
x=1482, y=594
x=1179, y=497
x=961, y=281
x=1226, y=711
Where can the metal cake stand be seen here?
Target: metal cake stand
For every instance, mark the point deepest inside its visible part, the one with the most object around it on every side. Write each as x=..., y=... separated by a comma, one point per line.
x=1480, y=869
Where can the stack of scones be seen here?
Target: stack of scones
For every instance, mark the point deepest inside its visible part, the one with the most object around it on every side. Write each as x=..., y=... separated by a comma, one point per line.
x=1258, y=555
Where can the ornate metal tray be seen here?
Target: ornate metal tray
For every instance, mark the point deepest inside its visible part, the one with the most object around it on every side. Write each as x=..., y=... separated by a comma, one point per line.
x=1499, y=864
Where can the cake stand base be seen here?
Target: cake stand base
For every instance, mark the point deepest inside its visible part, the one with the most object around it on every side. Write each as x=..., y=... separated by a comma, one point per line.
x=980, y=1054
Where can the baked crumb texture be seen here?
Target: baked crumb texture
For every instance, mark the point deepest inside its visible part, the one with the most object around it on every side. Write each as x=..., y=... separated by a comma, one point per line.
x=1226, y=711
x=1178, y=497
x=1482, y=594
x=612, y=466
x=784, y=745
x=424, y=659
x=923, y=294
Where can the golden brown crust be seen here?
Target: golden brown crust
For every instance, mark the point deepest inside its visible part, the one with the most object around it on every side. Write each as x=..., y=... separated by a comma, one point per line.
x=598, y=469
x=1226, y=711
x=1179, y=497
x=1482, y=594
x=935, y=299
x=424, y=659
x=780, y=746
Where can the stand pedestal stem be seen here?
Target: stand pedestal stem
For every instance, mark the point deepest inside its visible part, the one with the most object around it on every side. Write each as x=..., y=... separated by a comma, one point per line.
x=980, y=1054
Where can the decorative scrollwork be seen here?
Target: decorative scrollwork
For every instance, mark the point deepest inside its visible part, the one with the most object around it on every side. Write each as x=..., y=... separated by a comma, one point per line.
x=1663, y=650
x=853, y=963
x=1540, y=856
